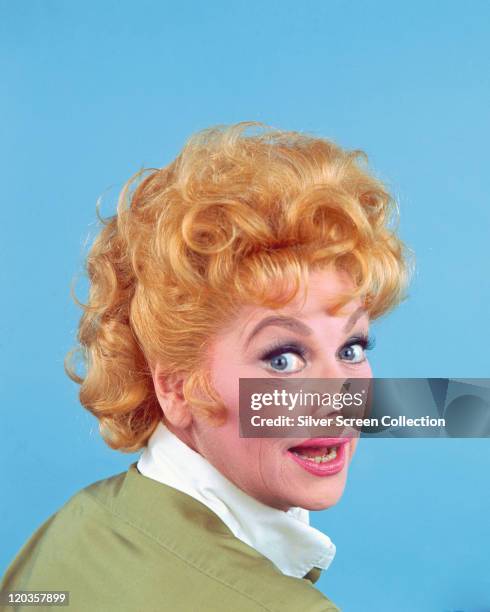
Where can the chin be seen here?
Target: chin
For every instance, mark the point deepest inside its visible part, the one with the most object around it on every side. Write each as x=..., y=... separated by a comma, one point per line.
x=318, y=502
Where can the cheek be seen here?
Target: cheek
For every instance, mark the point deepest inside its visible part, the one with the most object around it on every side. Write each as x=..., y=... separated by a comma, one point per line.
x=226, y=383
x=366, y=370
x=353, y=445
x=228, y=364
x=225, y=376
x=270, y=460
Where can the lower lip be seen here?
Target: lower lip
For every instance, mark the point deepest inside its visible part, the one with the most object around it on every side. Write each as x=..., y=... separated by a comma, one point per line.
x=323, y=469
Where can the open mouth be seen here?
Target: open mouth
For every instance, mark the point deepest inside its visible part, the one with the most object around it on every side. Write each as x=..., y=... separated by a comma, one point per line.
x=320, y=456
x=317, y=455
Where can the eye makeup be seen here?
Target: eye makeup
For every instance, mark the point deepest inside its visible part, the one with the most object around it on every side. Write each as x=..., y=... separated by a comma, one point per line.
x=284, y=346
x=280, y=347
x=365, y=340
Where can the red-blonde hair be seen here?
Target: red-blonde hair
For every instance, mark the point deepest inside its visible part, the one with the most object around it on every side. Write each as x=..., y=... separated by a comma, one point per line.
x=237, y=218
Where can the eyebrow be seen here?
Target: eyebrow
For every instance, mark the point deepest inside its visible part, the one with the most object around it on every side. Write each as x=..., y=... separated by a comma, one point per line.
x=297, y=325
x=357, y=314
x=280, y=321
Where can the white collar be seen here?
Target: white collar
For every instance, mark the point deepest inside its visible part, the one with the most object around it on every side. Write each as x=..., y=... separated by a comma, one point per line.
x=286, y=538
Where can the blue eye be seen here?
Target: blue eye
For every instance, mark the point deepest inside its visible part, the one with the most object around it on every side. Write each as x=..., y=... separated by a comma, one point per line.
x=285, y=362
x=353, y=353
x=355, y=349
x=285, y=358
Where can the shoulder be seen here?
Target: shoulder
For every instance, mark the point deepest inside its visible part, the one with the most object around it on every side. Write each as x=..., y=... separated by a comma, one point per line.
x=127, y=539
x=68, y=550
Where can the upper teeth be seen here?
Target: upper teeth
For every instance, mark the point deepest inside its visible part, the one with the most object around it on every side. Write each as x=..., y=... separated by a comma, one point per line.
x=331, y=454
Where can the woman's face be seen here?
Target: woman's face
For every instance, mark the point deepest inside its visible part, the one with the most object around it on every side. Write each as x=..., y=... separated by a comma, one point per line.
x=318, y=345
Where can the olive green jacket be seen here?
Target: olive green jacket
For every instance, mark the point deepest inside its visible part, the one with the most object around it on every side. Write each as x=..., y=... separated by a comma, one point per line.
x=131, y=544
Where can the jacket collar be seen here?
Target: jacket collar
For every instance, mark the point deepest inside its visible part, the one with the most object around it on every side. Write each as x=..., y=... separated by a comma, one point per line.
x=286, y=538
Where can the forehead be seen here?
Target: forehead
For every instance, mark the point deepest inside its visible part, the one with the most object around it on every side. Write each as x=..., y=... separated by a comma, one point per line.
x=324, y=287
x=318, y=301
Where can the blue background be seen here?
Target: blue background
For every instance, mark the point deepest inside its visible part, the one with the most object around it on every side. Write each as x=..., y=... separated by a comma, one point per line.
x=93, y=91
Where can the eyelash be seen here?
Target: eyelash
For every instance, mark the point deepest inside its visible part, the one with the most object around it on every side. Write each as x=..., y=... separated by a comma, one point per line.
x=278, y=348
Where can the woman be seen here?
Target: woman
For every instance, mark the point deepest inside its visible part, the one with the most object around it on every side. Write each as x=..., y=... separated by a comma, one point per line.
x=251, y=255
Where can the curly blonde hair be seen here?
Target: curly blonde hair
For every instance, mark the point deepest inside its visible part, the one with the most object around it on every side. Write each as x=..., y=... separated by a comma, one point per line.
x=241, y=212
